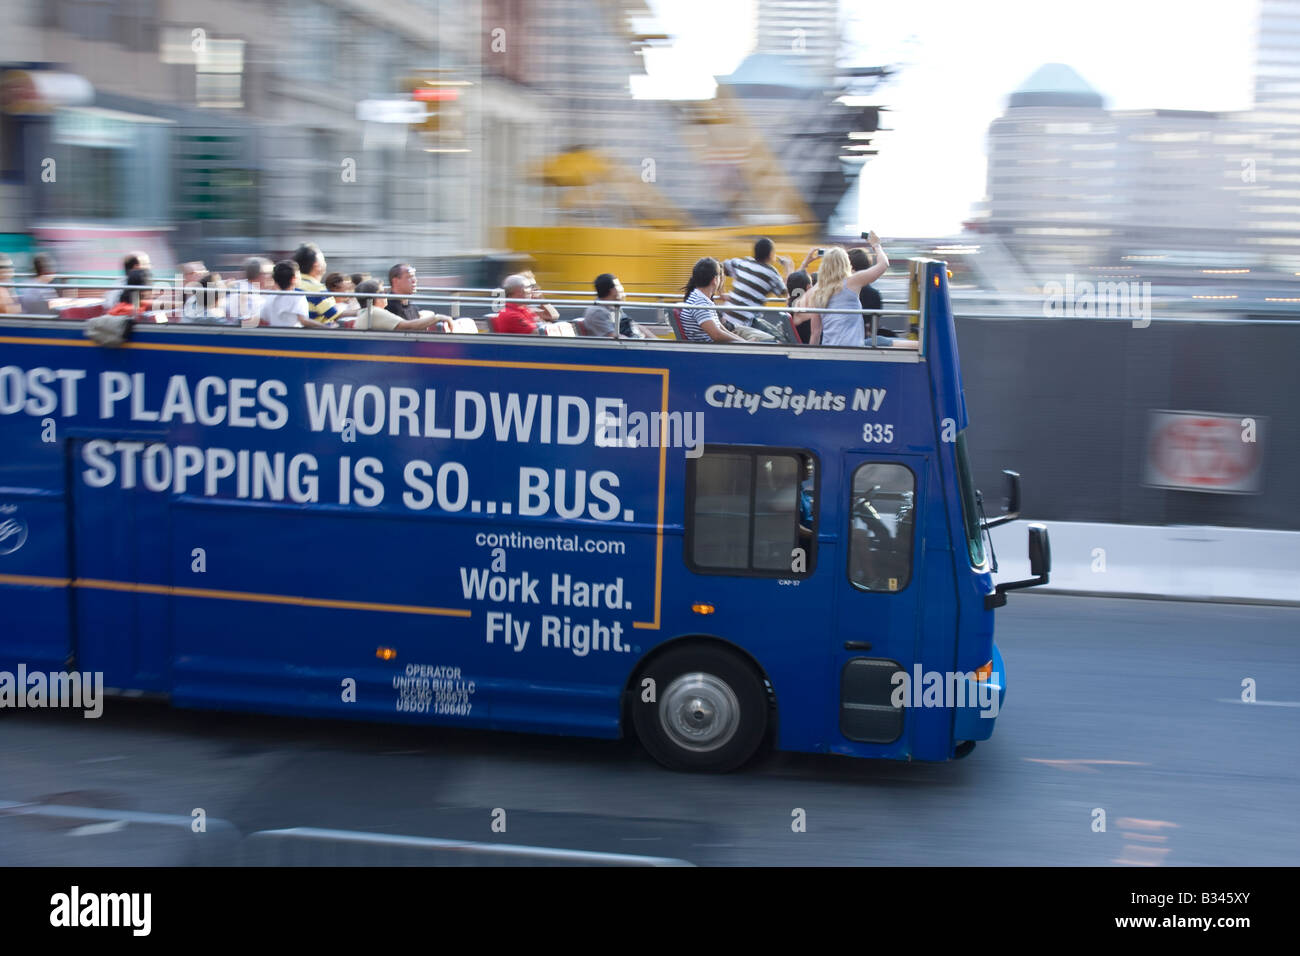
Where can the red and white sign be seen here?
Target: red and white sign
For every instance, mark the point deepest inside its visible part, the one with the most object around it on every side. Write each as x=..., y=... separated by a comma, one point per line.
x=1194, y=451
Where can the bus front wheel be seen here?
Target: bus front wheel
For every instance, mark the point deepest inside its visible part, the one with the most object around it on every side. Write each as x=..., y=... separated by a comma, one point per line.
x=700, y=708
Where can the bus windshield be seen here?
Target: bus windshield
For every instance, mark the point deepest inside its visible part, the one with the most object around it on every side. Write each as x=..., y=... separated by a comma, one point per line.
x=969, y=509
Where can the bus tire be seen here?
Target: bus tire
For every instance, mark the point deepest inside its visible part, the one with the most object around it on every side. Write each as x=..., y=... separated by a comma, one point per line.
x=709, y=709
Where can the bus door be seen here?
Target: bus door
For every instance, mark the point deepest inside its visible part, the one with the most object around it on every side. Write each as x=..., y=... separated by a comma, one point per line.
x=122, y=552
x=879, y=595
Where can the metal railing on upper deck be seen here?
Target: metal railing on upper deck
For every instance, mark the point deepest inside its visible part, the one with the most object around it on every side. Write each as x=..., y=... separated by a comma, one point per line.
x=649, y=310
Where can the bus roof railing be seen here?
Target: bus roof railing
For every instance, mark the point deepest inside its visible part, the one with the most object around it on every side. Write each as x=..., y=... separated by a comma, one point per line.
x=446, y=297
x=97, y=281
x=111, y=283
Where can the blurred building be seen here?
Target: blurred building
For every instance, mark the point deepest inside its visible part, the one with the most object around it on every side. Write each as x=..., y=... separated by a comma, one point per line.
x=418, y=130
x=794, y=138
x=1073, y=183
x=1051, y=168
x=239, y=127
x=576, y=60
x=810, y=29
x=1273, y=207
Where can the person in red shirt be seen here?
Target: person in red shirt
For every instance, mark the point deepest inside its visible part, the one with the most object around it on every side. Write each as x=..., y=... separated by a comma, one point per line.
x=133, y=301
x=516, y=317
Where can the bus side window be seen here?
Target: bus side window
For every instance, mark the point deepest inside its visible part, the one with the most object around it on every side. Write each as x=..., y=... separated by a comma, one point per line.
x=880, y=529
x=721, y=519
x=753, y=512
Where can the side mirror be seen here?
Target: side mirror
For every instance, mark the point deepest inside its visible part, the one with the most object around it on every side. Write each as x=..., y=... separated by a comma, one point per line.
x=1040, y=551
x=1011, y=511
x=1040, y=566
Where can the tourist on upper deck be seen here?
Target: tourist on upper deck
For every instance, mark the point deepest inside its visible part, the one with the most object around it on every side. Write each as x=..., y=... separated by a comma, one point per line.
x=753, y=280
x=341, y=285
x=601, y=315
x=796, y=286
x=284, y=311
x=207, y=302
x=597, y=323
x=704, y=324
x=515, y=317
x=546, y=311
x=837, y=288
x=861, y=260
x=376, y=316
x=35, y=299
x=173, y=299
x=244, y=296
x=323, y=311
x=176, y=299
x=9, y=303
x=402, y=280
x=133, y=301
x=133, y=260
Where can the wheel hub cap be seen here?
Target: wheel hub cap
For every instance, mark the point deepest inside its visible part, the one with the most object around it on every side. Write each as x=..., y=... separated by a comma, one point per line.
x=699, y=712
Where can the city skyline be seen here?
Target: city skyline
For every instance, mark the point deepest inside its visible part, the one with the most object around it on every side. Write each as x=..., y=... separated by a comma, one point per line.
x=946, y=94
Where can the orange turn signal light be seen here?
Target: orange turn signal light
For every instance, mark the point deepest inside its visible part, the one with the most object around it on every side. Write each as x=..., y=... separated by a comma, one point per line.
x=936, y=282
x=985, y=672
x=702, y=608
x=385, y=653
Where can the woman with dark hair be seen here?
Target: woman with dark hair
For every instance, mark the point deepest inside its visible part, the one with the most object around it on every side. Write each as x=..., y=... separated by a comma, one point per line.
x=796, y=285
x=133, y=301
x=704, y=324
x=206, y=303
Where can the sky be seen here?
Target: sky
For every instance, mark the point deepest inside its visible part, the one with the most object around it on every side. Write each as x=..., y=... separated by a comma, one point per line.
x=957, y=63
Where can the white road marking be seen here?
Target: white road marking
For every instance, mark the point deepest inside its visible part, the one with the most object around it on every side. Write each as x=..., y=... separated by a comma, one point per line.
x=1261, y=703
x=1084, y=766
x=59, y=811
x=553, y=854
x=94, y=829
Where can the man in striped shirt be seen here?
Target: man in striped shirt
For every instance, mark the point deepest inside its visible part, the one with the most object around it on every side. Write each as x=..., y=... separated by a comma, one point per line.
x=753, y=280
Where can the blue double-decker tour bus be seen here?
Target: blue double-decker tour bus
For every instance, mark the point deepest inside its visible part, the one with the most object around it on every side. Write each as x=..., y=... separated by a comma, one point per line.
x=712, y=547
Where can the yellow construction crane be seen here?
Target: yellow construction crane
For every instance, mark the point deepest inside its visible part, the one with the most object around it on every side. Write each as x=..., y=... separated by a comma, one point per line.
x=656, y=243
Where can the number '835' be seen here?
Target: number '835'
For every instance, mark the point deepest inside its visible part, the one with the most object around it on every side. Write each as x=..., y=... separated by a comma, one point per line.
x=880, y=434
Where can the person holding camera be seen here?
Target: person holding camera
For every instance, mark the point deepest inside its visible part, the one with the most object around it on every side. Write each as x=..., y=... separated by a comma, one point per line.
x=837, y=288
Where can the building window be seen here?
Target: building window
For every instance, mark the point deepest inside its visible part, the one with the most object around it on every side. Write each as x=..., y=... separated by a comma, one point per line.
x=136, y=26
x=326, y=175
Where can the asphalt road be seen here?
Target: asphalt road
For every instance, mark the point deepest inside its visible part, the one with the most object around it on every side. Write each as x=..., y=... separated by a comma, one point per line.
x=1125, y=706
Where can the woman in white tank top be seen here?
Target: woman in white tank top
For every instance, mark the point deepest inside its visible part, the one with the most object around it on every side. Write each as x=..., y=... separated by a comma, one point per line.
x=837, y=288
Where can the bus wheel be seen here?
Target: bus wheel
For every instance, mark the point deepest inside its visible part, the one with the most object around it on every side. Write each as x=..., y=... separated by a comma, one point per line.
x=709, y=710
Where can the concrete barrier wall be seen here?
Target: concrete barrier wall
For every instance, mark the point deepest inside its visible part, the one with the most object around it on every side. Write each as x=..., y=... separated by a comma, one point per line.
x=1066, y=403
x=1240, y=565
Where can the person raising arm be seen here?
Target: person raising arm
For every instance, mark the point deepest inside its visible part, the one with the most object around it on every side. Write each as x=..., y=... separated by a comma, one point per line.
x=865, y=277
x=837, y=289
x=816, y=252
